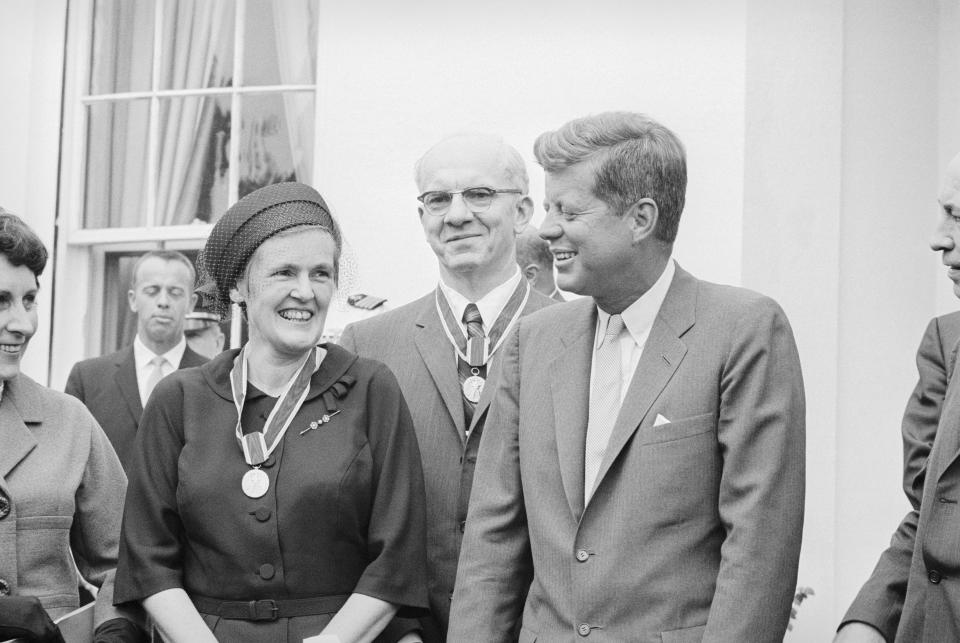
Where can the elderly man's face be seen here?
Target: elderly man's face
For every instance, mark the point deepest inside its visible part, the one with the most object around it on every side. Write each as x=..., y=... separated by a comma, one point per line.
x=466, y=241
x=946, y=238
x=590, y=244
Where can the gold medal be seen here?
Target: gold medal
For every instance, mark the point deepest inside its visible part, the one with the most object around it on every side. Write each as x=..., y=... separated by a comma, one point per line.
x=255, y=483
x=473, y=387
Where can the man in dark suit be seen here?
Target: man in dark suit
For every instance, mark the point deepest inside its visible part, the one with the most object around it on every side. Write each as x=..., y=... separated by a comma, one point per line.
x=536, y=262
x=444, y=346
x=642, y=473
x=115, y=387
x=913, y=592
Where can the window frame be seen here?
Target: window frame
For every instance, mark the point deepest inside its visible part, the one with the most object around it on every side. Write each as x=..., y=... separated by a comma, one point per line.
x=79, y=278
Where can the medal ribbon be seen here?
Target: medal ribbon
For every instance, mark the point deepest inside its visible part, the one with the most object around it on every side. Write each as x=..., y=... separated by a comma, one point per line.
x=258, y=445
x=477, y=352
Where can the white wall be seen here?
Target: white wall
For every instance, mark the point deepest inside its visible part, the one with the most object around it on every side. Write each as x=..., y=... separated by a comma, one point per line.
x=31, y=51
x=396, y=79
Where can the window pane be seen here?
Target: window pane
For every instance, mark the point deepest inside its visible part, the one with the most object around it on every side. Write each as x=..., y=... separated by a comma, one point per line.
x=121, y=57
x=276, y=139
x=197, y=48
x=280, y=42
x=115, y=195
x=193, y=169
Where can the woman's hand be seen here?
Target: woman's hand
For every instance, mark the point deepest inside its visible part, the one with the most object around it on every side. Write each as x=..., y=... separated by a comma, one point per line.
x=360, y=620
x=176, y=617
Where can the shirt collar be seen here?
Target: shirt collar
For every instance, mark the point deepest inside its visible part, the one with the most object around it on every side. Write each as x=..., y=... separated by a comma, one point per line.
x=490, y=305
x=639, y=316
x=142, y=355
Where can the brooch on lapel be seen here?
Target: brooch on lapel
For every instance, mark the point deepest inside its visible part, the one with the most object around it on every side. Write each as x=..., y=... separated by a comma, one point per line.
x=337, y=391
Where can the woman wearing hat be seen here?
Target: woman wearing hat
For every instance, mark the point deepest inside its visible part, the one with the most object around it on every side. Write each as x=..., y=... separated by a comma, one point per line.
x=276, y=491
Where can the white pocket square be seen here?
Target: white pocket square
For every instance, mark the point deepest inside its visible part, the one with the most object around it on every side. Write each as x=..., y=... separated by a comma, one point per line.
x=660, y=421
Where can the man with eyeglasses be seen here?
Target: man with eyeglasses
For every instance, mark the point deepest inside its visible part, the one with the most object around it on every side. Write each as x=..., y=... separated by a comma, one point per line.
x=444, y=347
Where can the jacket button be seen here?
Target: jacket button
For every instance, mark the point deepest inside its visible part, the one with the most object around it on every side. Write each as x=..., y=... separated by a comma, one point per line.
x=582, y=555
x=583, y=629
x=266, y=571
x=4, y=506
x=934, y=576
x=463, y=526
x=262, y=514
x=4, y=588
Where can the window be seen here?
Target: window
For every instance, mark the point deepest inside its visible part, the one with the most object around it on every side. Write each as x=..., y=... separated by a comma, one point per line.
x=173, y=110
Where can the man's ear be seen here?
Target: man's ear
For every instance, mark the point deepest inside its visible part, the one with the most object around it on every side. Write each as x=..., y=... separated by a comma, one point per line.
x=643, y=217
x=132, y=300
x=530, y=272
x=193, y=302
x=524, y=214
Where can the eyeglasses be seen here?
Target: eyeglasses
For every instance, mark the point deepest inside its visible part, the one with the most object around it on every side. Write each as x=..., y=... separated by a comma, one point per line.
x=437, y=202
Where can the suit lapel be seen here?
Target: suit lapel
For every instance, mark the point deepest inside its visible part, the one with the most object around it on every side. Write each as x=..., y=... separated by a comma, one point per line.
x=571, y=394
x=126, y=381
x=534, y=303
x=660, y=359
x=21, y=404
x=946, y=449
x=439, y=358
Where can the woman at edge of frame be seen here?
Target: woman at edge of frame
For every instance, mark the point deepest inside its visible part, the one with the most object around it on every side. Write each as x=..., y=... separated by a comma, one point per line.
x=276, y=491
x=61, y=484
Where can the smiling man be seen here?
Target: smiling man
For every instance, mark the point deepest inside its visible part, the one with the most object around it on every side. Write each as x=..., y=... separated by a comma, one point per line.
x=115, y=387
x=642, y=473
x=444, y=347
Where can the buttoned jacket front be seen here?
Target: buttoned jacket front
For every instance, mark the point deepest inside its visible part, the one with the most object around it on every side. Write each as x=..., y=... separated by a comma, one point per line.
x=693, y=530
x=63, y=488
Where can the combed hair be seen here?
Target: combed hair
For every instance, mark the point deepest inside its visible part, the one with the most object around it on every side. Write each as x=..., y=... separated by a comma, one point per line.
x=636, y=157
x=532, y=248
x=20, y=244
x=166, y=255
x=514, y=167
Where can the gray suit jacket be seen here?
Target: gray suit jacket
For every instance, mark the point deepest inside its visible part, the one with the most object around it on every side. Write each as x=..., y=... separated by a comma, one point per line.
x=693, y=531
x=107, y=385
x=880, y=600
x=65, y=490
x=411, y=341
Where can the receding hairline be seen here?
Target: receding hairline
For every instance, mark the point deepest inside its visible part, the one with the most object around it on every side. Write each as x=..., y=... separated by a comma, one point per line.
x=167, y=256
x=510, y=160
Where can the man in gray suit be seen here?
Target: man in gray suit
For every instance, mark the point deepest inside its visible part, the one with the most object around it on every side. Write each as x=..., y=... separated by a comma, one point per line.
x=444, y=347
x=913, y=593
x=115, y=387
x=642, y=473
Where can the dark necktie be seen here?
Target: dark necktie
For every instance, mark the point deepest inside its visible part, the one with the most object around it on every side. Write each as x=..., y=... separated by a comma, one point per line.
x=474, y=323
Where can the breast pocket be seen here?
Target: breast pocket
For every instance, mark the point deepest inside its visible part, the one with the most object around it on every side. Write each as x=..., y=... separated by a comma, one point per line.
x=679, y=430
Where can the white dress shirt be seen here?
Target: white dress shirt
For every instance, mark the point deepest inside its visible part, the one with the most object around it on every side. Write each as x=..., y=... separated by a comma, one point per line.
x=638, y=318
x=490, y=305
x=142, y=357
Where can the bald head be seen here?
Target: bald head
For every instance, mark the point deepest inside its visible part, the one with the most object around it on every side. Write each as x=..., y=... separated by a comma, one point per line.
x=951, y=180
x=469, y=151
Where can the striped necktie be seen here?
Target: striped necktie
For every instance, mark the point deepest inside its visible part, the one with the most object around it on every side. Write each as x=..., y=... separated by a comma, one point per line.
x=474, y=323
